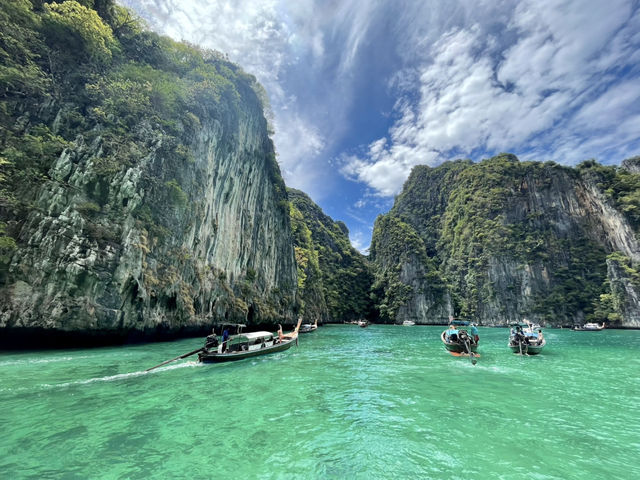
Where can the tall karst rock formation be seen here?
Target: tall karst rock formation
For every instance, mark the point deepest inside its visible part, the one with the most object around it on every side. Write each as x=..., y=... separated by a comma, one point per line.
x=334, y=279
x=140, y=194
x=502, y=240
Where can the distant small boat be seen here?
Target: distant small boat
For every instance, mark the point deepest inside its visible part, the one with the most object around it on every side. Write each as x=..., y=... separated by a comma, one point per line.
x=309, y=327
x=363, y=323
x=245, y=345
x=589, y=327
x=526, y=338
x=457, y=340
x=408, y=323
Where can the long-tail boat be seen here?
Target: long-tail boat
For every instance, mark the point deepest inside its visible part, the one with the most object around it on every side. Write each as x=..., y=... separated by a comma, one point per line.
x=526, y=339
x=457, y=340
x=245, y=345
x=309, y=327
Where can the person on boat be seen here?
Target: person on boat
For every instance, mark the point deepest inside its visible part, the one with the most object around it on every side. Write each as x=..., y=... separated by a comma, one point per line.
x=520, y=338
x=452, y=333
x=225, y=339
x=212, y=340
x=540, y=337
x=280, y=334
x=474, y=332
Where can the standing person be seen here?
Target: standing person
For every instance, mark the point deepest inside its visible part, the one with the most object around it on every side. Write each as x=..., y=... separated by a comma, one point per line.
x=280, y=334
x=474, y=332
x=540, y=337
x=225, y=338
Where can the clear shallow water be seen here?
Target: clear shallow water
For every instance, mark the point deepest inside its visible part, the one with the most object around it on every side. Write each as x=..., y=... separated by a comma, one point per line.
x=381, y=402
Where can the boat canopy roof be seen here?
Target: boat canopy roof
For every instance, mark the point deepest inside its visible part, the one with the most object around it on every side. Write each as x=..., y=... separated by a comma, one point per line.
x=255, y=335
x=519, y=324
x=459, y=322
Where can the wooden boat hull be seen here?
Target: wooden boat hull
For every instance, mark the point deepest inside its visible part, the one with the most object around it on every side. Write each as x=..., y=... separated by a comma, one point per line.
x=460, y=354
x=215, y=357
x=528, y=349
x=454, y=348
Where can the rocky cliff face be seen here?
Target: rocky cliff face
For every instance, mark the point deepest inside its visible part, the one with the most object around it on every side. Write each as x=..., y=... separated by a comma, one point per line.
x=513, y=240
x=621, y=305
x=334, y=279
x=140, y=223
x=408, y=285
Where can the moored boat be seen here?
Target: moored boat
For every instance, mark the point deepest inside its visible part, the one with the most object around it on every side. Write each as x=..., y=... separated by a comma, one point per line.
x=458, y=341
x=526, y=338
x=309, y=327
x=245, y=345
x=363, y=323
x=408, y=323
x=589, y=327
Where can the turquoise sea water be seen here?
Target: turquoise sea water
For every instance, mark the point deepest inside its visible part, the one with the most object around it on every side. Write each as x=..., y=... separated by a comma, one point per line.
x=381, y=402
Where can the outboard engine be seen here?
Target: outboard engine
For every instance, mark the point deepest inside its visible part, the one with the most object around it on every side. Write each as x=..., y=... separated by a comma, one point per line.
x=211, y=341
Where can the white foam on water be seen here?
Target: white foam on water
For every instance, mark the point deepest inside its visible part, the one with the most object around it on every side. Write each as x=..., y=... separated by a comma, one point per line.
x=178, y=365
x=496, y=368
x=121, y=376
x=35, y=361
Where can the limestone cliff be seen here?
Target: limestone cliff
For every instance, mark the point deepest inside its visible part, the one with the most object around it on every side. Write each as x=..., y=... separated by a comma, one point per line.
x=140, y=192
x=334, y=279
x=512, y=239
x=408, y=285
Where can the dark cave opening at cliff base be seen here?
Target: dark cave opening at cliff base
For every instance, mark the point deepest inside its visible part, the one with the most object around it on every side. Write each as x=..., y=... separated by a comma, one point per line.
x=42, y=339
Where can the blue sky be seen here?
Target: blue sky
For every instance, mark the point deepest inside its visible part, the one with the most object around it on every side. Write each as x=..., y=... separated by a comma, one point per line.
x=362, y=91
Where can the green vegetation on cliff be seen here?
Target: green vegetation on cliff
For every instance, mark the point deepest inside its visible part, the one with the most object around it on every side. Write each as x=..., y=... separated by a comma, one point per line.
x=620, y=185
x=69, y=70
x=395, y=244
x=508, y=239
x=334, y=279
x=124, y=154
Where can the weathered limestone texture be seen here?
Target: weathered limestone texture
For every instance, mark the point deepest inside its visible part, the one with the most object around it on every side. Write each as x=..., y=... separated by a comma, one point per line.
x=166, y=246
x=509, y=240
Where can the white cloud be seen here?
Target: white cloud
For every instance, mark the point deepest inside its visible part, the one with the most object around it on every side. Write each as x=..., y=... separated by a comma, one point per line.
x=256, y=35
x=302, y=52
x=299, y=144
x=551, y=85
x=556, y=79
x=360, y=241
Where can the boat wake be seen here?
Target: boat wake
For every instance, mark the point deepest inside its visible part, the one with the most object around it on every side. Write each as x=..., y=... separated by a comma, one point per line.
x=120, y=376
x=498, y=369
x=35, y=361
